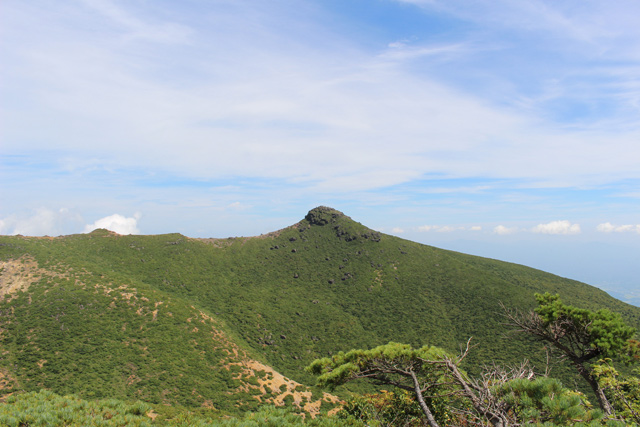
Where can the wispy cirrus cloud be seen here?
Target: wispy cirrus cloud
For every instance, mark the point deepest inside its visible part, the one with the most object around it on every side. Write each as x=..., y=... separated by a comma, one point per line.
x=136, y=27
x=403, y=51
x=588, y=70
x=273, y=102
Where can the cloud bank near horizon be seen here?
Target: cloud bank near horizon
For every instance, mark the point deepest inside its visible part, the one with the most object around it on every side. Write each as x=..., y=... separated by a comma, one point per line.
x=116, y=223
x=557, y=227
x=48, y=222
x=41, y=222
x=607, y=227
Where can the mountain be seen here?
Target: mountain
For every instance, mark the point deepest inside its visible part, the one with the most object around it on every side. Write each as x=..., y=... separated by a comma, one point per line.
x=231, y=323
x=80, y=331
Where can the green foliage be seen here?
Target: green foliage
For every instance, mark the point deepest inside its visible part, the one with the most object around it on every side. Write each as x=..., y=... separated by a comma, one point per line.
x=393, y=358
x=622, y=390
x=398, y=365
x=286, y=299
x=544, y=400
x=602, y=332
x=580, y=336
x=275, y=417
x=101, y=340
x=45, y=408
x=386, y=408
x=501, y=398
x=48, y=409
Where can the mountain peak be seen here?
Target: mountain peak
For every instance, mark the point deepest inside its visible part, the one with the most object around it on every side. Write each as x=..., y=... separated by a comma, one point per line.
x=344, y=227
x=323, y=215
x=103, y=232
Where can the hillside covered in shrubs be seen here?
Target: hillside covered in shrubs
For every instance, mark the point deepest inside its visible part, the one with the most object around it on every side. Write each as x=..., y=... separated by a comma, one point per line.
x=225, y=327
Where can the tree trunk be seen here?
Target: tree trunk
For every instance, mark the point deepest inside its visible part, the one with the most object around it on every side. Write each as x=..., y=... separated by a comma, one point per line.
x=495, y=418
x=603, y=402
x=423, y=405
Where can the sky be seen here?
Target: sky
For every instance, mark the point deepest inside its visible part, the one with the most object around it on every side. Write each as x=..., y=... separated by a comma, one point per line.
x=498, y=128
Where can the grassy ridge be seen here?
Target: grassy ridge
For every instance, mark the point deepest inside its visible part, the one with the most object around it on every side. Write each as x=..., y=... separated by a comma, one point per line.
x=326, y=284
x=76, y=331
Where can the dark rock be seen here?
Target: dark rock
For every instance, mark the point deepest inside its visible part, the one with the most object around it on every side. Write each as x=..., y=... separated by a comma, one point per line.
x=322, y=215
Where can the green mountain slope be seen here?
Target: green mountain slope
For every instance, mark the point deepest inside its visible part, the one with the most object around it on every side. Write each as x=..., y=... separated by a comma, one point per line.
x=76, y=331
x=325, y=284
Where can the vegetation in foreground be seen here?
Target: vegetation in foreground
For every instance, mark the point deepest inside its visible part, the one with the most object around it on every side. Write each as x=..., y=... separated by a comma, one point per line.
x=47, y=409
x=433, y=389
x=447, y=395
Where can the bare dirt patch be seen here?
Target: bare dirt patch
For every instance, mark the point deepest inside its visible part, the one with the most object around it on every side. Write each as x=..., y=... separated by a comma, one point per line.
x=261, y=381
x=18, y=274
x=7, y=382
x=282, y=387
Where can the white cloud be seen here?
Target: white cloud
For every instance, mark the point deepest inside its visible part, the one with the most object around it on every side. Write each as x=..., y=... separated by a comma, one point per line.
x=501, y=229
x=445, y=228
x=475, y=228
x=43, y=222
x=280, y=102
x=271, y=102
x=557, y=227
x=116, y=223
x=397, y=230
x=607, y=227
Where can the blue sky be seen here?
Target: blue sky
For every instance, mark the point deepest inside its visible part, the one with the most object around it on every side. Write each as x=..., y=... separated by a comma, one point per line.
x=499, y=128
